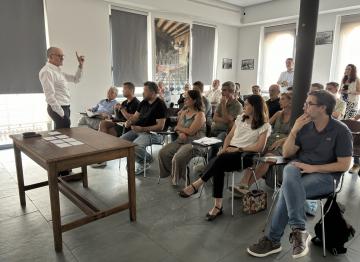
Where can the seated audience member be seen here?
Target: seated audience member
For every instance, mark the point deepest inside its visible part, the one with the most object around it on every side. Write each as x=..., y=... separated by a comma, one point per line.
x=104, y=109
x=323, y=149
x=181, y=100
x=316, y=87
x=149, y=116
x=273, y=103
x=214, y=94
x=238, y=94
x=249, y=134
x=226, y=111
x=281, y=129
x=256, y=90
x=123, y=112
x=199, y=86
x=340, y=107
x=174, y=157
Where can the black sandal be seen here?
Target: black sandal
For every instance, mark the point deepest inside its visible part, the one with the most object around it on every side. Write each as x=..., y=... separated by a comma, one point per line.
x=210, y=217
x=184, y=195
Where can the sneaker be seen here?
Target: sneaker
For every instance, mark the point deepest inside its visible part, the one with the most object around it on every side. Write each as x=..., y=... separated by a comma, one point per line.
x=102, y=164
x=355, y=169
x=300, y=240
x=263, y=248
x=139, y=170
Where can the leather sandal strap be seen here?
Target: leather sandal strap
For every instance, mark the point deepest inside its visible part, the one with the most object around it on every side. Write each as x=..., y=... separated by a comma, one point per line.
x=192, y=185
x=220, y=209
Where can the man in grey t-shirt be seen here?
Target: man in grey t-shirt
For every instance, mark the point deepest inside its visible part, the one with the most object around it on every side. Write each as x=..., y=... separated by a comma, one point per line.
x=226, y=111
x=322, y=147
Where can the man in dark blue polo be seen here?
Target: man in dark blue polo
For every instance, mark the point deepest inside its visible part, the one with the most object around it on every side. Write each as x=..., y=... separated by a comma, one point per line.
x=322, y=147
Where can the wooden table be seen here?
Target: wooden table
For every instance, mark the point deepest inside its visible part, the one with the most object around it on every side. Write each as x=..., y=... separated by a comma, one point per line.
x=98, y=147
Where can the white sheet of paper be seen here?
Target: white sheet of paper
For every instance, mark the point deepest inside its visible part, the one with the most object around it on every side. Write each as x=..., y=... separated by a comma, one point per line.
x=62, y=136
x=54, y=133
x=58, y=141
x=70, y=140
x=76, y=143
x=49, y=138
x=63, y=145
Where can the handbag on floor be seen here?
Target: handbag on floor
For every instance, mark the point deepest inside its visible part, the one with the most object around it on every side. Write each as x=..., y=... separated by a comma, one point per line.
x=254, y=201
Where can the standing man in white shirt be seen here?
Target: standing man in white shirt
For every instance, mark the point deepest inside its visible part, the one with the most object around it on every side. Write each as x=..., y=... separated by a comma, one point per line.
x=287, y=77
x=214, y=94
x=55, y=86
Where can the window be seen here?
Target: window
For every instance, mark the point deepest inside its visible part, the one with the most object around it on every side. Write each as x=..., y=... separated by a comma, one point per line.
x=278, y=44
x=23, y=53
x=203, y=44
x=349, y=51
x=129, y=47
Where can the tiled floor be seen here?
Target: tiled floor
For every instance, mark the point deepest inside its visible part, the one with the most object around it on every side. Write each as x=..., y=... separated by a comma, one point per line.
x=168, y=228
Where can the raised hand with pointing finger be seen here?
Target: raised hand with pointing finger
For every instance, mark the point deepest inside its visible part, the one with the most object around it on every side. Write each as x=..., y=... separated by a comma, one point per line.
x=81, y=59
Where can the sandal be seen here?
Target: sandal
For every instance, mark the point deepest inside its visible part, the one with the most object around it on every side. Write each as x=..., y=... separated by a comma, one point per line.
x=185, y=195
x=210, y=217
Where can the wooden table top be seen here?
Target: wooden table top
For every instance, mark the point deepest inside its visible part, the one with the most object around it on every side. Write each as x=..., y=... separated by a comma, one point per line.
x=94, y=142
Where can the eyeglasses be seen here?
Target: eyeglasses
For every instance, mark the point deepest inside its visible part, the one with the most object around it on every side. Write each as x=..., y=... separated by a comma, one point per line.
x=60, y=56
x=306, y=104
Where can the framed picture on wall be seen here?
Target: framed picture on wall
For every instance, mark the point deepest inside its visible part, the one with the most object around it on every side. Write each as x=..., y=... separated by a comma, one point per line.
x=247, y=64
x=324, y=38
x=227, y=63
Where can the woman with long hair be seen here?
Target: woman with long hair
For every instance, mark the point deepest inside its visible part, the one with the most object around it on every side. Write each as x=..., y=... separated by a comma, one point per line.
x=248, y=134
x=350, y=89
x=280, y=131
x=174, y=157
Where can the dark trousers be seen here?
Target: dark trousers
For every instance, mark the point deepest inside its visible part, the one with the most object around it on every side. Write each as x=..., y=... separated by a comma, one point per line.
x=60, y=122
x=226, y=162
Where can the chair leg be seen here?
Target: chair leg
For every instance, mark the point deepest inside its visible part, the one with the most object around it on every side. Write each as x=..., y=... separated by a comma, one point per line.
x=158, y=180
x=323, y=227
x=145, y=163
x=232, y=193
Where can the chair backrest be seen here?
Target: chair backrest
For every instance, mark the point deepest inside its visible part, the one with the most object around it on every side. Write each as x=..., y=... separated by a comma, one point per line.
x=354, y=127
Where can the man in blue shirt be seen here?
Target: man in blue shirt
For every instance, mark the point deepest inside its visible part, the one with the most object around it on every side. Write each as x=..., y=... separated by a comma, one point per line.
x=103, y=110
x=322, y=147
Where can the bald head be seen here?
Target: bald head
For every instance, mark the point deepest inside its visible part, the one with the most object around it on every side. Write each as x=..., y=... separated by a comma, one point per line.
x=274, y=91
x=55, y=56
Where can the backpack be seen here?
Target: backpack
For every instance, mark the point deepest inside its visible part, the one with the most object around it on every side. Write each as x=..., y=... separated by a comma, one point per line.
x=337, y=230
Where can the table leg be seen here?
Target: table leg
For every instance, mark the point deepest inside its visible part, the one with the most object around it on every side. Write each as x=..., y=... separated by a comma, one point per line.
x=84, y=176
x=20, y=175
x=131, y=183
x=55, y=207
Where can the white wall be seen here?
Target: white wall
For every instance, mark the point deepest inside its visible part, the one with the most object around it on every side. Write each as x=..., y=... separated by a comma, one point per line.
x=250, y=37
x=83, y=26
x=227, y=48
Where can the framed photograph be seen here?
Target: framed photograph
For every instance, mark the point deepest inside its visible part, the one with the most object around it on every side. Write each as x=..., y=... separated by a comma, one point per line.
x=324, y=38
x=227, y=63
x=247, y=64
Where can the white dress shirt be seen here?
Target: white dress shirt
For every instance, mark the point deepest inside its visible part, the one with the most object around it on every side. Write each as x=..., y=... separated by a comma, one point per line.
x=287, y=76
x=55, y=85
x=214, y=96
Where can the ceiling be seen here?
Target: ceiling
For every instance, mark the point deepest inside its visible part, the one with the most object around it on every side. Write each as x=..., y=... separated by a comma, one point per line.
x=244, y=3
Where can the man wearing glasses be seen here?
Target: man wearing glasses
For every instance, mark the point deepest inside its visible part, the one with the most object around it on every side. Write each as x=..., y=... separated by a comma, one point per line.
x=55, y=86
x=322, y=147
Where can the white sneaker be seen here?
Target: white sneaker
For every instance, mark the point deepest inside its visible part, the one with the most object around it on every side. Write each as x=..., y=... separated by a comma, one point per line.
x=102, y=164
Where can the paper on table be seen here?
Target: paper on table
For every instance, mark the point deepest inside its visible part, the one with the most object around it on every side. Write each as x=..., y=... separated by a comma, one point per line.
x=58, y=141
x=49, y=138
x=70, y=140
x=54, y=133
x=76, y=143
x=208, y=140
x=63, y=145
x=62, y=136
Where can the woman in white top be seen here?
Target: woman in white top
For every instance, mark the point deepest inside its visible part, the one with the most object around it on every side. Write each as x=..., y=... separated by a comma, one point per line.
x=350, y=89
x=248, y=134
